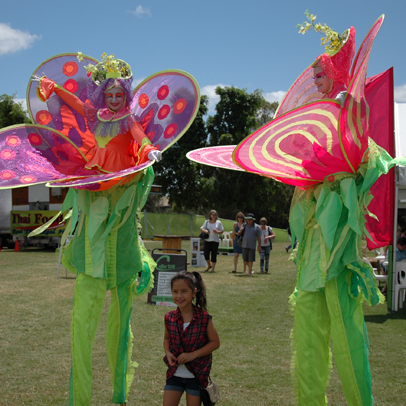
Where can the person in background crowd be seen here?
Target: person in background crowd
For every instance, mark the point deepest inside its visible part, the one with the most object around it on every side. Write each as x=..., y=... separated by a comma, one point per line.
x=400, y=256
x=213, y=227
x=237, y=249
x=252, y=235
x=267, y=235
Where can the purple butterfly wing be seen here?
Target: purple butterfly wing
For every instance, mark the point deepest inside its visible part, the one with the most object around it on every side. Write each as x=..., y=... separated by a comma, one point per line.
x=95, y=182
x=32, y=154
x=166, y=104
x=66, y=71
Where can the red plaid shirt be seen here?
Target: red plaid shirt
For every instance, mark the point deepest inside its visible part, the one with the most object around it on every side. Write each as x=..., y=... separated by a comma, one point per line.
x=192, y=339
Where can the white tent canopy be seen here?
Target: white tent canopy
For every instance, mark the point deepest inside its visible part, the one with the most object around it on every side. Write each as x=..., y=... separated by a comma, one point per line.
x=400, y=186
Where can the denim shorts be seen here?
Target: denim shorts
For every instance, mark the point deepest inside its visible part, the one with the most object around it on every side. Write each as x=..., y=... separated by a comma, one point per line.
x=188, y=385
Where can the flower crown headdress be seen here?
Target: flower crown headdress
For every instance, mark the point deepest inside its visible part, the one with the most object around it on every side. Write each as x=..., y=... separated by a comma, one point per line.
x=108, y=68
x=332, y=41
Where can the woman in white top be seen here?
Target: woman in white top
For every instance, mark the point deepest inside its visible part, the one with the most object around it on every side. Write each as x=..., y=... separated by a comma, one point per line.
x=213, y=227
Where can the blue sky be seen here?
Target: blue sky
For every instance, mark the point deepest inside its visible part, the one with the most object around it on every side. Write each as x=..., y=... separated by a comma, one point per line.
x=248, y=44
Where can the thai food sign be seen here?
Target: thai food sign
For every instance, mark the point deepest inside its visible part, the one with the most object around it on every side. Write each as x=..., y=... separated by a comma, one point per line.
x=23, y=222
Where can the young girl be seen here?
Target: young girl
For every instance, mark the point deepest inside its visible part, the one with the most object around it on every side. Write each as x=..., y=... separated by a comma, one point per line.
x=190, y=338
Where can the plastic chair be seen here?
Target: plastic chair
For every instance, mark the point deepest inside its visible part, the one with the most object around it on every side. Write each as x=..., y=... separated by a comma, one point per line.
x=400, y=284
x=377, y=276
x=226, y=240
x=227, y=235
x=381, y=254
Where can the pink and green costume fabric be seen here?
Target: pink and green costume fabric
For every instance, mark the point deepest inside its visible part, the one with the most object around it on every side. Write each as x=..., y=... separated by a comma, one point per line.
x=324, y=148
x=109, y=175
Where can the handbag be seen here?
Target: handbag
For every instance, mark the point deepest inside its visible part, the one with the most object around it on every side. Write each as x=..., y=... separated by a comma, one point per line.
x=239, y=242
x=210, y=395
x=204, y=236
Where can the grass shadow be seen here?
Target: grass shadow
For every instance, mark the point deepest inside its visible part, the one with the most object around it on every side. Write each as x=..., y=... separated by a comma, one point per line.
x=382, y=318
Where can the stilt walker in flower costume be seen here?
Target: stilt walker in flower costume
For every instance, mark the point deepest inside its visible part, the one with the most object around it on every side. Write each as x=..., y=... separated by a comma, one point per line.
x=323, y=148
x=100, y=138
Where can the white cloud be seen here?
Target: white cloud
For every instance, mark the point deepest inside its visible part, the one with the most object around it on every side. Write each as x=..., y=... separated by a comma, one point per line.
x=137, y=81
x=210, y=92
x=141, y=11
x=274, y=96
x=23, y=103
x=400, y=93
x=12, y=40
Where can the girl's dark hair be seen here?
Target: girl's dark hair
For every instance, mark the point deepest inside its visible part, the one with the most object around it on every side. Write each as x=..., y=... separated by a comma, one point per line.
x=195, y=281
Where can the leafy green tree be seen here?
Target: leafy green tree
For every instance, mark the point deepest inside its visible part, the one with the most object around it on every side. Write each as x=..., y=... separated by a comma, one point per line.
x=11, y=112
x=266, y=112
x=180, y=177
x=238, y=114
x=235, y=114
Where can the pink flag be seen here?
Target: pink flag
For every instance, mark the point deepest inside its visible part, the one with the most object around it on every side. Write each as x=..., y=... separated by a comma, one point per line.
x=379, y=94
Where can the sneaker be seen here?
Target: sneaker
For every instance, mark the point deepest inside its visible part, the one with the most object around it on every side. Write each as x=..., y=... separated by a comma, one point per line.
x=287, y=250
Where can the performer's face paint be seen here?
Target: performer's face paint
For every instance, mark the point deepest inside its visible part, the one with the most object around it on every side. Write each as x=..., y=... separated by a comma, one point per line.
x=321, y=80
x=115, y=98
x=182, y=293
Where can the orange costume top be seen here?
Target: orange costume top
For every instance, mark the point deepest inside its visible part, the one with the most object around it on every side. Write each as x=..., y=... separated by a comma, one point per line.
x=114, y=132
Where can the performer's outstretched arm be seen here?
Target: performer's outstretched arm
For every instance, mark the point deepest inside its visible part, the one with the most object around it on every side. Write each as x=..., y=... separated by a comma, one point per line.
x=47, y=86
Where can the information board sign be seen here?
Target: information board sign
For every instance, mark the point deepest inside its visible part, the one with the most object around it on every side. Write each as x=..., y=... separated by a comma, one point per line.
x=168, y=265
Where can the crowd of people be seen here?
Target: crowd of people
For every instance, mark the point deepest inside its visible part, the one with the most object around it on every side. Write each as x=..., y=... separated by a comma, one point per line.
x=248, y=237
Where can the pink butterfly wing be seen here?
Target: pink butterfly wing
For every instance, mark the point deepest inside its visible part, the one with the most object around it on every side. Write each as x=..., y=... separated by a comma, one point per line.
x=219, y=157
x=302, y=91
x=355, y=113
x=300, y=148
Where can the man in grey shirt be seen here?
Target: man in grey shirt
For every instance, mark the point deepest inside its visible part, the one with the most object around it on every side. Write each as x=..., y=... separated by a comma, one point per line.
x=252, y=236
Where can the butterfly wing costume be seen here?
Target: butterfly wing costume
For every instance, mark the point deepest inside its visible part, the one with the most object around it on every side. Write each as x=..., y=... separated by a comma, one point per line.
x=323, y=148
x=105, y=157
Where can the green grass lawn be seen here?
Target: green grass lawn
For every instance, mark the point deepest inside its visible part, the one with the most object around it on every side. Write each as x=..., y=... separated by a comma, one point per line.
x=251, y=315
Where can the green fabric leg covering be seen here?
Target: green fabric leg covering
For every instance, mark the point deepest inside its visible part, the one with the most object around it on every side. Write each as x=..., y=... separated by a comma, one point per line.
x=349, y=342
x=317, y=314
x=119, y=340
x=312, y=335
x=87, y=307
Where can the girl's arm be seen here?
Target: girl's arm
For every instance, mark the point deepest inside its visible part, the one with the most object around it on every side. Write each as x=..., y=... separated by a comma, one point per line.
x=233, y=234
x=259, y=244
x=270, y=236
x=221, y=228
x=169, y=355
x=218, y=224
x=212, y=345
x=204, y=230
